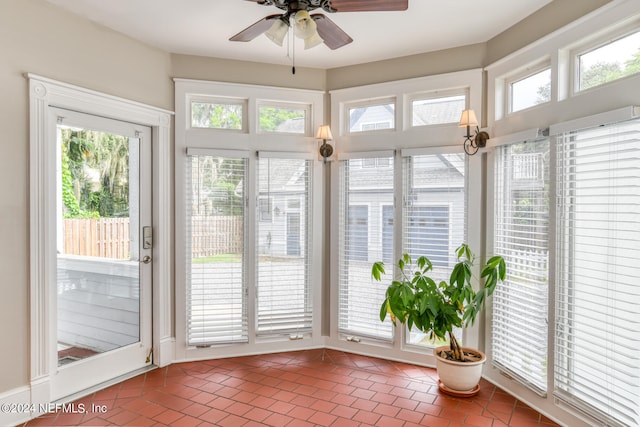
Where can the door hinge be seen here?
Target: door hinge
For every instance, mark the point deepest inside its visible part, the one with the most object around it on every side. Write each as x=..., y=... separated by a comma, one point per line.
x=148, y=359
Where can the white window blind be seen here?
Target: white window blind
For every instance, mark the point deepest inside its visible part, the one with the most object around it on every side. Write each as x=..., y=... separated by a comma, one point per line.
x=366, y=236
x=597, y=337
x=434, y=214
x=216, y=304
x=519, y=318
x=284, y=290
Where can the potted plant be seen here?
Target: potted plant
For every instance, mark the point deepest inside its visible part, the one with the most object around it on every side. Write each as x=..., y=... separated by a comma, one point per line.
x=437, y=308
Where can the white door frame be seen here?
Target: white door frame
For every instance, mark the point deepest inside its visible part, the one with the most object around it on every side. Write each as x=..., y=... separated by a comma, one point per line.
x=43, y=94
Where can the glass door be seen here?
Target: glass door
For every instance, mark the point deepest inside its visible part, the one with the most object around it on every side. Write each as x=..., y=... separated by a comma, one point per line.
x=103, y=251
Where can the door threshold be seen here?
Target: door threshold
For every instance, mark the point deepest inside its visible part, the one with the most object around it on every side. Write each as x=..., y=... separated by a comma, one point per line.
x=86, y=392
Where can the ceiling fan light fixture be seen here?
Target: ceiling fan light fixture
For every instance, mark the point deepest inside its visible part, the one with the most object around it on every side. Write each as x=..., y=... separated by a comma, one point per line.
x=277, y=32
x=313, y=41
x=305, y=28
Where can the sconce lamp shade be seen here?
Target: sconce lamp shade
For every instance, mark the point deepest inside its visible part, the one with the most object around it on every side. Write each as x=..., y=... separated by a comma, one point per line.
x=325, y=150
x=468, y=118
x=277, y=32
x=324, y=133
x=472, y=142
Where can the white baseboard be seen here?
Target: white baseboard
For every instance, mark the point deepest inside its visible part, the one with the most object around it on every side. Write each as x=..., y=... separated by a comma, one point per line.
x=16, y=407
x=166, y=354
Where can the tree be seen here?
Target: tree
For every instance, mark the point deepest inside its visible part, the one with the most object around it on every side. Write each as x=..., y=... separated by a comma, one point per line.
x=544, y=94
x=218, y=116
x=599, y=73
x=226, y=196
x=272, y=117
x=632, y=66
x=95, y=173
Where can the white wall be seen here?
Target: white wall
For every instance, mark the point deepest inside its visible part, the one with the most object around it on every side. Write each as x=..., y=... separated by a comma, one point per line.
x=38, y=38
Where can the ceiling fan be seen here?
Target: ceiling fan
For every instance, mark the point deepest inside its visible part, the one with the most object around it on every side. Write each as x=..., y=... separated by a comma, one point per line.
x=316, y=28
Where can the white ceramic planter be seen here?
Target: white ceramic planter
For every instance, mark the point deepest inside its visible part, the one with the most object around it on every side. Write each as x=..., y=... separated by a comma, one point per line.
x=459, y=376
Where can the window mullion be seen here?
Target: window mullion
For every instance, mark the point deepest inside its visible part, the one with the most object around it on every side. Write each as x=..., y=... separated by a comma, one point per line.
x=251, y=281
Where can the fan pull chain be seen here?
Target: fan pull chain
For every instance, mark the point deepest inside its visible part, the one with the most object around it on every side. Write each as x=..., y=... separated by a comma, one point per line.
x=293, y=65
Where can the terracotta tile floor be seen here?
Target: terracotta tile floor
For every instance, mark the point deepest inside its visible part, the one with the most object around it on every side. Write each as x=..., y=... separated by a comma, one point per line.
x=304, y=388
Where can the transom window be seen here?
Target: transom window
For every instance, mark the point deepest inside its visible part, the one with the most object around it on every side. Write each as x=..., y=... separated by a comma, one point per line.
x=283, y=118
x=531, y=90
x=609, y=62
x=218, y=114
x=437, y=110
x=372, y=116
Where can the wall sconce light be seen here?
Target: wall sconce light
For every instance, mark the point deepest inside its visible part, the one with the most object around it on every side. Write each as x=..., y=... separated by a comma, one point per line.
x=472, y=142
x=324, y=133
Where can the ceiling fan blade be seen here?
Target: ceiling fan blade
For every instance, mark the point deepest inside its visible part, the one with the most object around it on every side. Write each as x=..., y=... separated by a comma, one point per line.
x=254, y=30
x=369, y=5
x=331, y=34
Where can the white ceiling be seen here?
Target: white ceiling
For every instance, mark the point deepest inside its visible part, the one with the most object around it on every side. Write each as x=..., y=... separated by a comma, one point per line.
x=203, y=27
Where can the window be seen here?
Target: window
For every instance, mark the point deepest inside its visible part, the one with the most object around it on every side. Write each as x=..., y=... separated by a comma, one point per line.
x=216, y=307
x=279, y=118
x=437, y=110
x=366, y=194
x=534, y=89
x=434, y=214
x=371, y=117
x=218, y=114
x=519, y=318
x=597, y=292
x=612, y=61
x=284, y=285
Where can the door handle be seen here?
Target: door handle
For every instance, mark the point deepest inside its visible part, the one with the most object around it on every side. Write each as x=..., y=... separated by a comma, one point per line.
x=146, y=259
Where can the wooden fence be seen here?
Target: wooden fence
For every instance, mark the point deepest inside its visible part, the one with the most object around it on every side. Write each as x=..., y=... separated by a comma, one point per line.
x=215, y=235
x=110, y=237
x=101, y=237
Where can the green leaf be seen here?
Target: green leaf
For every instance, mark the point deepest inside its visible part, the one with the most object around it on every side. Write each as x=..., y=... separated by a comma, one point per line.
x=406, y=258
x=455, y=273
x=434, y=307
x=377, y=270
x=383, y=310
